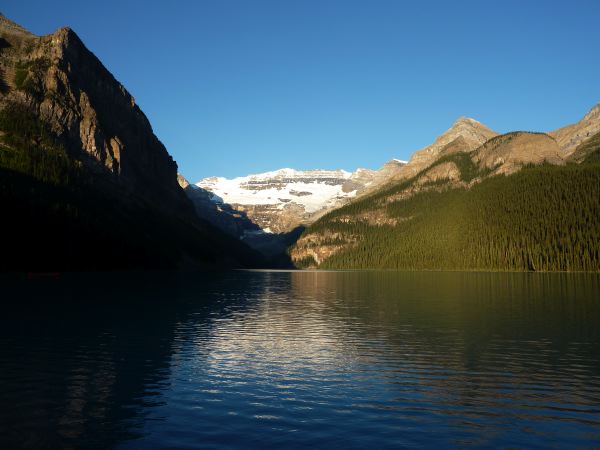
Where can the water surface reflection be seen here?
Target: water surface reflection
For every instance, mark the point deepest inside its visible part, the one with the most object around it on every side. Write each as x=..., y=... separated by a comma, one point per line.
x=296, y=359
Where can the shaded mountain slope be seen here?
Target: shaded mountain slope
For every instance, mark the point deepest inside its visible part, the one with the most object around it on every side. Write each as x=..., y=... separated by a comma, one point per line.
x=236, y=222
x=85, y=182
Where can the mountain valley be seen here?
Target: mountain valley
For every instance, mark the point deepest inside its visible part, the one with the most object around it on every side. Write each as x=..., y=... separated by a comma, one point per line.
x=79, y=156
x=336, y=213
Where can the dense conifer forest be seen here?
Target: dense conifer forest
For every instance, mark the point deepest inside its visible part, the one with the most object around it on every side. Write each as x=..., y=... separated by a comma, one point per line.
x=543, y=218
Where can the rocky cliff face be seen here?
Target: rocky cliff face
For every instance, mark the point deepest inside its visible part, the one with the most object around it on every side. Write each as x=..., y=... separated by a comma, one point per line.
x=84, y=182
x=92, y=114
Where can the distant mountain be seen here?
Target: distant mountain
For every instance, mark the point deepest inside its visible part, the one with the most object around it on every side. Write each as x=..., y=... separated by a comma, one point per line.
x=268, y=211
x=85, y=183
x=281, y=200
x=474, y=200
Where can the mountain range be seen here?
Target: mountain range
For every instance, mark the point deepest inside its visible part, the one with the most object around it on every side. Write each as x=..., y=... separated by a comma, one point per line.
x=475, y=200
x=86, y=184
x=273, y=204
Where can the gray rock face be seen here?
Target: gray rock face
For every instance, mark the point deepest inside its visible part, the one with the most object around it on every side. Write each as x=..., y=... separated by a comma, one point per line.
x=66, y=86
x=243, y=223
x=233, y=222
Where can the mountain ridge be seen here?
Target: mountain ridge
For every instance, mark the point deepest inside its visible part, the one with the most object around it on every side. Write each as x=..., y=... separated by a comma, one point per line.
x=343, y=236
x=571, y=136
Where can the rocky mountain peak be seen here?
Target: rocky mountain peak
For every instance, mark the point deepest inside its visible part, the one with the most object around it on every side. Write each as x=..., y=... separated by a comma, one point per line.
x=395, y=163
x=182, y=181
x=61, y=82
x=466, y=121
x=468, y=128
x=465, y=134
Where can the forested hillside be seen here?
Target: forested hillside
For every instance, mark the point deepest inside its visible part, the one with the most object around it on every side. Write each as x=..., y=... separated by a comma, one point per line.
x=543, y=218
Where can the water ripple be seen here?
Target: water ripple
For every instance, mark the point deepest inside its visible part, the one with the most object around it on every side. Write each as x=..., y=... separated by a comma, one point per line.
x=284, y=360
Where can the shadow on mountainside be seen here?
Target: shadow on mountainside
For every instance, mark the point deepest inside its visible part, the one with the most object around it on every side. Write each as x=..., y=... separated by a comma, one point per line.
x=3, y=84
x=274, y=246
x=236, y=223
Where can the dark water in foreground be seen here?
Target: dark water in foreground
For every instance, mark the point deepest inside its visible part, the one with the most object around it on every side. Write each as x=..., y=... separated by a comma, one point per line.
x=314, y=360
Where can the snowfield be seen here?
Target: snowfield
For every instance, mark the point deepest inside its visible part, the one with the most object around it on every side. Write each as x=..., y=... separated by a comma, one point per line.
x=281, y=200
x=312, y=189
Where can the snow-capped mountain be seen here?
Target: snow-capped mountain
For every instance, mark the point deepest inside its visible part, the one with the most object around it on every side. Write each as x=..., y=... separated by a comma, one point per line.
x=280, y=200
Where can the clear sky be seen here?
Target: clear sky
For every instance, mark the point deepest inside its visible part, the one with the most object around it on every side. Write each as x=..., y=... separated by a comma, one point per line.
x=238, y=87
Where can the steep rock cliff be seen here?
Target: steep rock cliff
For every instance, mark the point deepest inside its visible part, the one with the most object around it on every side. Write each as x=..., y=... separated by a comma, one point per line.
x=58, y=79
x=84, y=182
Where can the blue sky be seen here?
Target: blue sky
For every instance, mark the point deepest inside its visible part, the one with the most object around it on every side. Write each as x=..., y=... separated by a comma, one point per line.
x=237, y=87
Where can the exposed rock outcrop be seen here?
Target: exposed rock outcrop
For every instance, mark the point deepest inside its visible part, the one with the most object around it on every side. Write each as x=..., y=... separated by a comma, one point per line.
x=94, y=116
x=466, y=134
x=571, y=136
x=442, y=172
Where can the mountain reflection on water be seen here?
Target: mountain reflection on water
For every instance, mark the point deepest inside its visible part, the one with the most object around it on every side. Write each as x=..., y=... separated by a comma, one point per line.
x=300, y=359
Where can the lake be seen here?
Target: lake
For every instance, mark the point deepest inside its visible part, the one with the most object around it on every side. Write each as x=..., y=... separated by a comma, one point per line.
x=365, y=360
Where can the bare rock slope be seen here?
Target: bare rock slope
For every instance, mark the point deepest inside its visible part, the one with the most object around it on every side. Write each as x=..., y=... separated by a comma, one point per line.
x=570, y=137
x=464, y=135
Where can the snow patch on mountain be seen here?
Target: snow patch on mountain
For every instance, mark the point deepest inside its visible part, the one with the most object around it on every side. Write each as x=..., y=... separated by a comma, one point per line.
x=281, y=200
x=314, y=190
